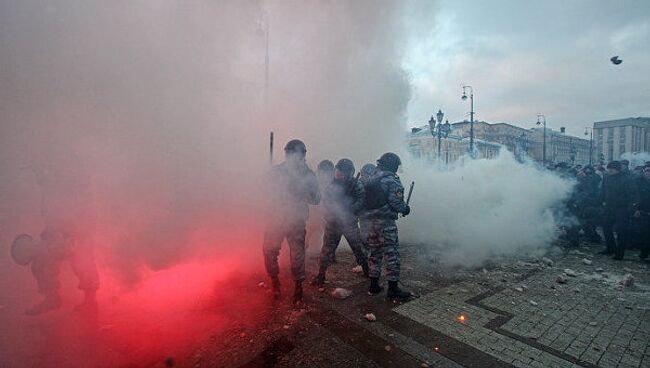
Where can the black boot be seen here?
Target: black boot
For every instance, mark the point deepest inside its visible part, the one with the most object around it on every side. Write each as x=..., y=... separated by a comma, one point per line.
x=364, y=267
x=297, y=294
x=374, y=286
x=394, y=292
x=275, y=287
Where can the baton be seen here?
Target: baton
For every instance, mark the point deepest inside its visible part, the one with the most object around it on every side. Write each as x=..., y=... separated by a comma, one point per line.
x=271, y=149
x=408, y=198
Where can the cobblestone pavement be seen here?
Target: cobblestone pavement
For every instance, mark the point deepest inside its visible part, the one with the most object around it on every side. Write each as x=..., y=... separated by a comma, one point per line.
x=591, y=320
x=568, y=309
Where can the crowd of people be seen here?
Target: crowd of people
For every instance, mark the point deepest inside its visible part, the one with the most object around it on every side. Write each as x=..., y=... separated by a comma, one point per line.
x=362, y=208
x=612, y=198
x=610, y=202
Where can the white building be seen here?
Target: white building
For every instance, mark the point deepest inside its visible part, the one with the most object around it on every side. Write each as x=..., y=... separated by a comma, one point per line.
x=613, y=138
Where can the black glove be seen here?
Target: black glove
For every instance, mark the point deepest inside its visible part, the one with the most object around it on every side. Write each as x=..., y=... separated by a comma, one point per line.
x=406, y=211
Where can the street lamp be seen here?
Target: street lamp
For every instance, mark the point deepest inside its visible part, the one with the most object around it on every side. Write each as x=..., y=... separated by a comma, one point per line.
x=590, y=132
x=541, y=119
x=471, y=116
x=439, y=117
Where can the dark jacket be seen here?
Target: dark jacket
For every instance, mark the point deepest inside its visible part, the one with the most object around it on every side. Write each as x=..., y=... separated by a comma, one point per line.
x=393, y=200
x=344, y=200
x=643, y=204
x=292, y=190
x=588, y=191
x=618, y=192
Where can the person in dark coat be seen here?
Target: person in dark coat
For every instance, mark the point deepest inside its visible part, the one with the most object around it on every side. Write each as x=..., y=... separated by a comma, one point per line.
x=618, y=197
x=344, y=199
x=293, y=187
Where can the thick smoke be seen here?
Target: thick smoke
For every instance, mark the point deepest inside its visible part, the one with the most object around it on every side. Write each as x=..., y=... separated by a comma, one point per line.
x=166, y=107
x=481, y=209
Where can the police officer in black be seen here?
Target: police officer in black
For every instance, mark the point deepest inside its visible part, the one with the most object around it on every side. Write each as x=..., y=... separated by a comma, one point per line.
x=343, y=199
x=618, y=196
x=588, y=202
x=293, y=187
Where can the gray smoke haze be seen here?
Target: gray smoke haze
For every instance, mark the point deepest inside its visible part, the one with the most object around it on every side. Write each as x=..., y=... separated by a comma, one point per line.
x=163, y=104
x=483, y=209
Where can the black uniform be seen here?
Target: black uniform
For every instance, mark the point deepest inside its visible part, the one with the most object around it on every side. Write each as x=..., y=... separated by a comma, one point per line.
x=344, y=200
x=618, y=196
x=294, y=188
x=589, y=205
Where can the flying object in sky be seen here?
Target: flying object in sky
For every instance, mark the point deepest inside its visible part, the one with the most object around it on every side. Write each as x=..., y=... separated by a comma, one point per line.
x=615, y=60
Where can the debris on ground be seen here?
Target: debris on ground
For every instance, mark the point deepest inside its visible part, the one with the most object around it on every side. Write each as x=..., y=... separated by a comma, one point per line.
x=547, y=261
x=628, y=280
x=321, y=289
x=519, y=289
x=604, y=275
x=561, y=279
x=388, y=348
x=593, y=324
x=370, y=317
x=341, y=293
x=599, y=269
x=357, y=269
x=570, y=272
x=485, y=273
x=586, y=261
x=286, y=327
x=532, y=302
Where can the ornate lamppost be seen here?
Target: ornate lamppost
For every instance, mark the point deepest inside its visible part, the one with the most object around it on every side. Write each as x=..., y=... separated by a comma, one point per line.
x=471, y=116
x=541, y=119
x=590, y=132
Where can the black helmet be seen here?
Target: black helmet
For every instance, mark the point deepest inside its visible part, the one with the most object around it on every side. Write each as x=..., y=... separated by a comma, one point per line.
x=326, y=165
x=345, y=166
x=295, y=146
x=389, y=162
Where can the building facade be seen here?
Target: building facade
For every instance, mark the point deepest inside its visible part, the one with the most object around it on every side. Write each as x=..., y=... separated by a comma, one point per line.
x=490, y=138
x=560, y=147
x=424, y=145
x=613, y=138
x=515, y=139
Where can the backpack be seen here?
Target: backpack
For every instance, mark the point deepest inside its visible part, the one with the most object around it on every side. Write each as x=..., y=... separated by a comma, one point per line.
x=376, y=197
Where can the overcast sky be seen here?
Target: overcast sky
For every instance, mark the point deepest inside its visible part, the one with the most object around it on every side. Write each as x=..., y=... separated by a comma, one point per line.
x=530, y=57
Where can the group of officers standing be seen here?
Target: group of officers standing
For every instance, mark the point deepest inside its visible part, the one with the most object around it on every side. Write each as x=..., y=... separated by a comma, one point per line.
x=362, y=208
x=614, y=198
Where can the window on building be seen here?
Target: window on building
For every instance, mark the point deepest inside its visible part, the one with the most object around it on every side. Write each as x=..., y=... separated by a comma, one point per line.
x=621, y=142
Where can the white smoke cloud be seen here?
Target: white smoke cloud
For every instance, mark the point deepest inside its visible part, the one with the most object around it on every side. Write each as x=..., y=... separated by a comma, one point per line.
x=636, y=158
x=483, y=209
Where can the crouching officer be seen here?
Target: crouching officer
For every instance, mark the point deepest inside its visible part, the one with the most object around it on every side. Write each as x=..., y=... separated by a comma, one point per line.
x=343, y=199
x=384, y=201
x=293, y=187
